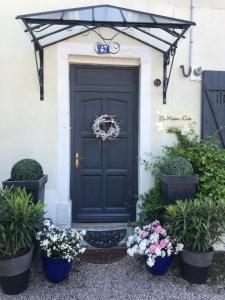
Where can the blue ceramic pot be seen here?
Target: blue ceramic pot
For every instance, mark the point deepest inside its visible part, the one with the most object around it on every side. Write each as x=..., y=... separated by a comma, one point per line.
x=55, y=269
x=161, y=265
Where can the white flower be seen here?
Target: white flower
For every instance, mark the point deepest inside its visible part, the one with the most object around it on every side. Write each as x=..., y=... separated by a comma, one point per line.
x=163, y=253
x=154, y=237
x=179, y=247
x=82, y=250
x=133, y=250
x=169, y=252
x=130, y=238
x=83, y=232
x=163, y=232
x=142, y=246
x=54, y=238
x=139, y=239
x=46, y=223
x=44, y=243
x=158, y=252
x=48, y=252
x=150, y=262
x=136, y=229
x=130, y=252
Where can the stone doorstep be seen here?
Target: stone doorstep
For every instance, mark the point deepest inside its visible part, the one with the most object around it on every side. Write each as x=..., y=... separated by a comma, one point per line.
x=104, y=227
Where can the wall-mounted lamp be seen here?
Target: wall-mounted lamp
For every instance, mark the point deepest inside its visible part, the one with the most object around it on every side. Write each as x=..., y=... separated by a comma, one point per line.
x=198, y=71
x=157, y=82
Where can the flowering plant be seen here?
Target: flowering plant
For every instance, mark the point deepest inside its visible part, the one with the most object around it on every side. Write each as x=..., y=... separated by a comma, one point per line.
x=152, y=241
x=60, y=243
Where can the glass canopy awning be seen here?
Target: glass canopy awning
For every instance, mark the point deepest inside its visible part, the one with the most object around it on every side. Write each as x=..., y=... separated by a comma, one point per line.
x=159, y=32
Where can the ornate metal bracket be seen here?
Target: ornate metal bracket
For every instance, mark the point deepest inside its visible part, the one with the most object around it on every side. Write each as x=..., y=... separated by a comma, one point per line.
x=39, y=59
x=167, y=69
x=113, y=47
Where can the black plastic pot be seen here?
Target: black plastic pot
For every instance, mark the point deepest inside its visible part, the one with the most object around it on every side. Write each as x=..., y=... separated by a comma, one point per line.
x=195, y=266
x=15, y=273
x=178, y=187
x=35, y=187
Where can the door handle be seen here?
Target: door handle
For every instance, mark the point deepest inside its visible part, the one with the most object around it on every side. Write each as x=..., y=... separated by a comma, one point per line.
x=77, y=159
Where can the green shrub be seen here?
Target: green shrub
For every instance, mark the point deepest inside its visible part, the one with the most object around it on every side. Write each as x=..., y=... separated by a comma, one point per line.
x=176, y=165
x=152, y=207
x=19, y=218
x=26, y=169
x=198, y=223
x=207, y=159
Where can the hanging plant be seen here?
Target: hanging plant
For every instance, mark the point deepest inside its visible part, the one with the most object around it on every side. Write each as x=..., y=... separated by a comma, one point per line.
x=106, y=127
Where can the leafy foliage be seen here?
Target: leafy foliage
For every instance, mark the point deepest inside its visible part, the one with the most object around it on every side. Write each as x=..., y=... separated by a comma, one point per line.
x=207, y=159
x=176, y=165
x=152, y=205
x=19, y=218
x=197, y=223
x=26, y=169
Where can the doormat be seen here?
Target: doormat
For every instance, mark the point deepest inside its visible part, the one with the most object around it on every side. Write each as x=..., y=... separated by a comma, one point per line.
x=105, y=238
x=103, y=256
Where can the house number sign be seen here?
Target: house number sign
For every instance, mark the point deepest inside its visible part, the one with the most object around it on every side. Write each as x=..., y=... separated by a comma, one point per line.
x=103, y=49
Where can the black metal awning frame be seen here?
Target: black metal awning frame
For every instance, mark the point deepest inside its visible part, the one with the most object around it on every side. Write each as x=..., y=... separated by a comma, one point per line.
x=174, y=29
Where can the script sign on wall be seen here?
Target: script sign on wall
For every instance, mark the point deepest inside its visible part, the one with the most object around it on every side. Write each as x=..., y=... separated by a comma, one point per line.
x=182, y=120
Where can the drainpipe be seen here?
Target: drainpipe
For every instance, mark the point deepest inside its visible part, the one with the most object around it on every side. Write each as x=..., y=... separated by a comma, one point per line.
x=191, y=42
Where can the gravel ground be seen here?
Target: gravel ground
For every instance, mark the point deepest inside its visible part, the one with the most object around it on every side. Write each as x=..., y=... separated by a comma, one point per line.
x=125, y=279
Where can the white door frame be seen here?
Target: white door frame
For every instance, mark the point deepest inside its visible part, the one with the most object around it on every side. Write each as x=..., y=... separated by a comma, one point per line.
x=64, y=51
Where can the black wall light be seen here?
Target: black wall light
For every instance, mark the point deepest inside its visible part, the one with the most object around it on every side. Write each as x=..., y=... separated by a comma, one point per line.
x=157, y=82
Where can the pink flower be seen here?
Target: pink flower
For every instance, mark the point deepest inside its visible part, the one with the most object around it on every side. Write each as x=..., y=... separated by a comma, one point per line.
x=159, y=230
x=163, y=244
x=143, y=233
x=153, y=248
x=156, y=223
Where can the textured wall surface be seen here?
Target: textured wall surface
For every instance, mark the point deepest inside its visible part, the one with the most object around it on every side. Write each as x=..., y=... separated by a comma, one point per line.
x=29, y=127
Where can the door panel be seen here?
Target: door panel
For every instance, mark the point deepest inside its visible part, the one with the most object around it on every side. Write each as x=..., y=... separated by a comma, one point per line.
x=117, y=155
x=116, y=197
x=106, y=176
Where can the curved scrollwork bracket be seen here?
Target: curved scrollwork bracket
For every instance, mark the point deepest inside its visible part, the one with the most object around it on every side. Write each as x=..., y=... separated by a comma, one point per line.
x=106, y=45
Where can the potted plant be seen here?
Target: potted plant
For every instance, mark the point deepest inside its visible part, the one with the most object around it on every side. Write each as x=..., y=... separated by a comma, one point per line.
x=28, y=174
x=177, y=179
x=198, y=224
x=155, y=245
x=58, y=248
x=19, y=218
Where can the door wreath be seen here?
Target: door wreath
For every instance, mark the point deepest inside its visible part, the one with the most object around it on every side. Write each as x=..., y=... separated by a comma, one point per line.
x=106, y=127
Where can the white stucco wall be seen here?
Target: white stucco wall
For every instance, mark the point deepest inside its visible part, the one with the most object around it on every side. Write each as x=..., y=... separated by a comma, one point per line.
x=31, y=128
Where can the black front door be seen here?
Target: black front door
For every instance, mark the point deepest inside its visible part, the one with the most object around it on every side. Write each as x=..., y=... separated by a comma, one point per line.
x=103, y=174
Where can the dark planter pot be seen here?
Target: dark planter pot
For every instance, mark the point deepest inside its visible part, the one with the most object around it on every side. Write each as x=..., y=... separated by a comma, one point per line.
x=56, y=269
x=35, y=187
x=161, y=266
x=15, y=273
x=195, y=266
x=178, y=187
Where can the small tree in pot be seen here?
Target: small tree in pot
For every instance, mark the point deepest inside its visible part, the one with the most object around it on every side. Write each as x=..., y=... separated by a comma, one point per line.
x=177, y=179
x=28, y=174
x=19, y=218
x=198, y=224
